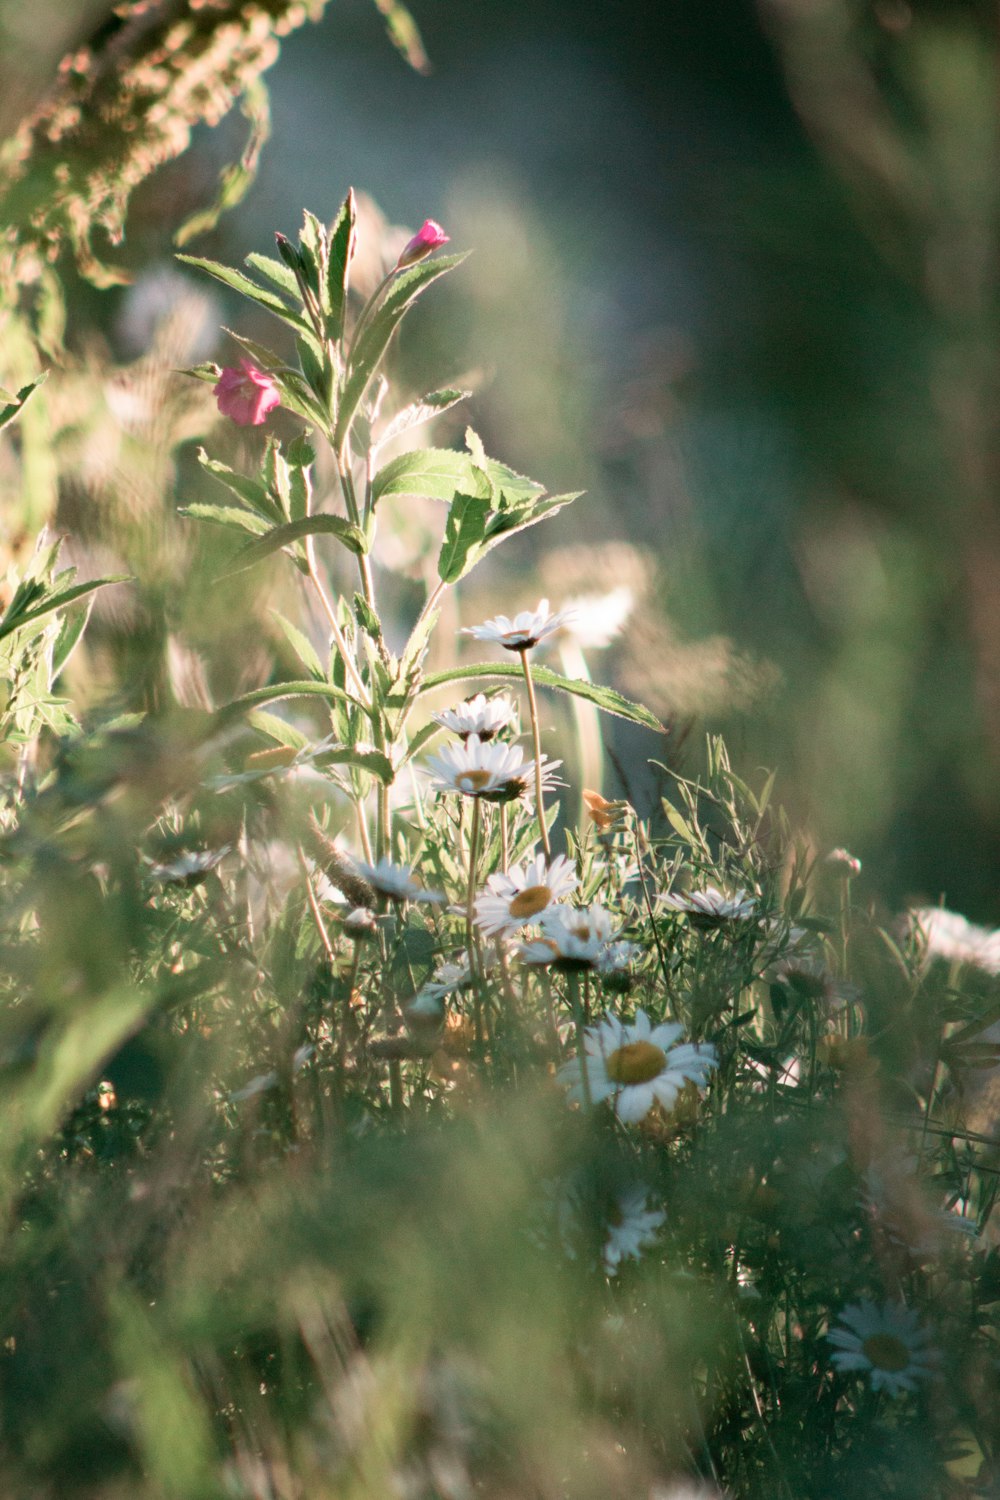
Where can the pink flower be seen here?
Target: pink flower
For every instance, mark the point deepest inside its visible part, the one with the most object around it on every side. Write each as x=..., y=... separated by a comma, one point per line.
x=429, y=236
x=246, y=394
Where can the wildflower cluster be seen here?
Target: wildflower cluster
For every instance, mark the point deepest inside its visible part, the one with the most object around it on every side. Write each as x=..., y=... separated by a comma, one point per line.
x=475, y=1119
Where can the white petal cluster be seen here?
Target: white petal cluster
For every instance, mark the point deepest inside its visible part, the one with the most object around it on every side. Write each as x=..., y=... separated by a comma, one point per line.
x=523, y=894
x=480, y=715
x=710, y=908
x=633, y=1229
x=476, y=769
x=396, y=882
x=887, y=1343
x=637, y=1066
x=572, y=936
x=524, y=630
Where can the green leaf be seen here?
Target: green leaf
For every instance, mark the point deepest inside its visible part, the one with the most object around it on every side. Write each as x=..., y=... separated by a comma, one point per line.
x=368, y=350
x=226, y=515
x=277, y=729
x=251, y=491
x=14, y=620
x=277, y=273
x=247, y=288
x=11, y=408
x=463, y=536
x=418, y=412
x=602, y=697
x=301, y=645
x=279, y=691
x=437, y=473
x=339, y=266
x=372, y=761
x=283, y=536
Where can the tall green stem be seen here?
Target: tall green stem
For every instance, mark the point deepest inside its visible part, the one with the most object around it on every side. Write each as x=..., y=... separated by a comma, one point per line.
x=537, y=745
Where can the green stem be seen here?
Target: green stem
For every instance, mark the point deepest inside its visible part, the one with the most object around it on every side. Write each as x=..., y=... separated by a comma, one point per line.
x=333, y=622
x=537, y=745
x=470, y=931
x=573, y=983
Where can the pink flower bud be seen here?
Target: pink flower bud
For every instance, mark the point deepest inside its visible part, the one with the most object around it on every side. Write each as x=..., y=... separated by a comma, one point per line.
x=247, y=394
x=429, y=236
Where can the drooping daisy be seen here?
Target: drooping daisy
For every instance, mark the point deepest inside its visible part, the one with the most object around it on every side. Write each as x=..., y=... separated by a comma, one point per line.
x=614, y=964
x=638, y=1065
x=512, y=900
x=396, y=882
x=189, y=868
x=524, y=631
x=495, y=771
x=632, y=1229
x=886, y=1342
x=573, y=937
x=709, y=908
x=479, y=715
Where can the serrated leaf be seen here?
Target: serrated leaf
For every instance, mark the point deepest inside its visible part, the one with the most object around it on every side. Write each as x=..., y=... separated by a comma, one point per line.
x=368, y=350
x=464, y=531
x=277, y=273
x=283, y=536
x=236, y=280
x=226, y=515
x=11, y=408
x=436, y=473
x=602, y=697
x=418, y=412
x=10, y=622
x=342, y=235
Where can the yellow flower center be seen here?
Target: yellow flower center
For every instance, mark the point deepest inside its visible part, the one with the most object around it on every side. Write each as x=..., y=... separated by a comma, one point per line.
x=636, y=1062
x=581, y=932
x=530, y=901
x=473, y=781
x=886, y=1352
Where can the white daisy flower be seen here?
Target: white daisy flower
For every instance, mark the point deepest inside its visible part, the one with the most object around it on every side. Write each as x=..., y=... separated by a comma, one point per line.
x=396, y=882
x=512, y=900
x=495, y=770
x=618, y=958
x=595, y=619
x=633, y=1228
x=887, y=1343
x=709, y=908
x=524, y=631
x=573, y=937
x=479, y=715
x=638, y=1065
x=456, y=974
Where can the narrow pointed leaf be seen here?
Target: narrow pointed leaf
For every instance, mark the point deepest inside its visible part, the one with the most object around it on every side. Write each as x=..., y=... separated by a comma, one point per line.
x=418, y=412
x=226, y=515
x=339, y=266
x=602, y=697
x=11, y=408
x=280, y=691
x=283, y=536
x=247, y=288
x=374, y=340
x=57, y=601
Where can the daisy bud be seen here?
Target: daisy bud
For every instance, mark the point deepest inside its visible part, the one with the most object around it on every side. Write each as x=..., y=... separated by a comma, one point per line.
x=429, y=236
x=246, y=394
x=843, y=863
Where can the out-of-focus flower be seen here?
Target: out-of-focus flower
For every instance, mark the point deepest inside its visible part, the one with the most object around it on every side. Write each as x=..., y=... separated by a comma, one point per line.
x=809, y=977
x=496, y=771
x=479, y=715
x=396, y=882
x=951, y=937
x=511, y=901
x=524, y=631
x=614, y=963
x=595, y=619
x=360, y=922
x=709, y=908
x=886, y=1342
x=572, y=937
x=430, y=236
x=189, y=868
x=633, y=1228
x=638, y=1065
x=246, y=394
x=843, y=863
